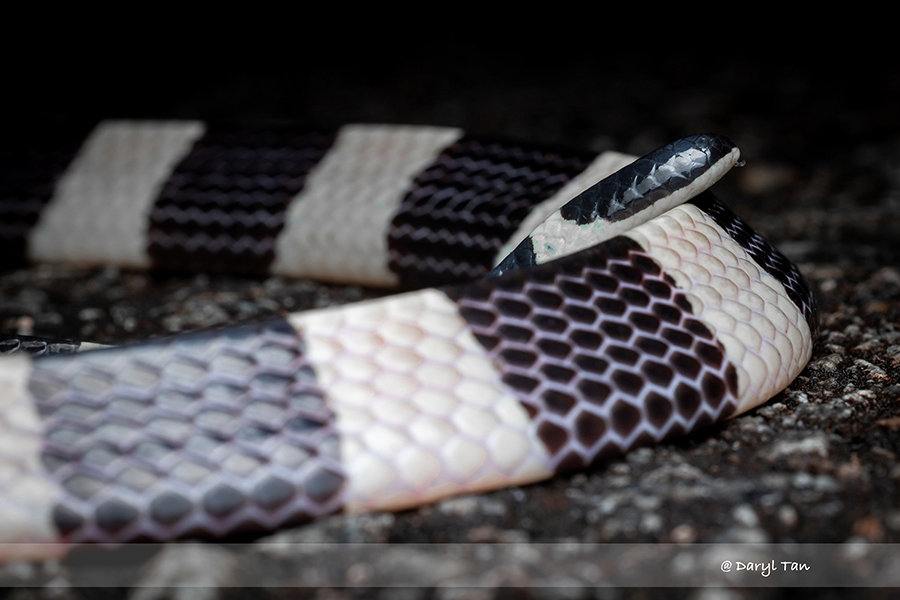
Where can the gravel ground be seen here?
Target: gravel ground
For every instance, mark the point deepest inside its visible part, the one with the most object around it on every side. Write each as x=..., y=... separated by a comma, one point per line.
x=817, y=464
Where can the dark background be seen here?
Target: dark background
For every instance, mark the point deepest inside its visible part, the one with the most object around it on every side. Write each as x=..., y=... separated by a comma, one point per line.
x=819, y=130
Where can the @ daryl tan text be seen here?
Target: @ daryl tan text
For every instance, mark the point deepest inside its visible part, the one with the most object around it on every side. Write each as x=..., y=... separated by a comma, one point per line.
x=763, y=568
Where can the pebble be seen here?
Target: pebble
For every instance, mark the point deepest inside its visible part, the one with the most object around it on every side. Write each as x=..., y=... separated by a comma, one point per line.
x=873, y=372
x=683, y=534
x=647, y=503
x=799, y=397
x=745, y=515
x=651, y=523
x=893, y=353
x=869, y=528
x=815, y=444
x=187, y=572
x=827, y=363
x=787, y=515
x=744, y=535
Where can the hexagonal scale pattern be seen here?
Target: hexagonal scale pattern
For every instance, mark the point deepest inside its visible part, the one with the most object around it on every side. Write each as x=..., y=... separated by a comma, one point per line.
x=763, y=253
x=421, y=410
x=763, y=331
x=35, y=346
x=100, y=206
x=384, y=405
x=602, y=350
x=602, y=166
x=224, y=204
x=204, y=435
x=27, y=494
x=459, y=211
x=337, y=228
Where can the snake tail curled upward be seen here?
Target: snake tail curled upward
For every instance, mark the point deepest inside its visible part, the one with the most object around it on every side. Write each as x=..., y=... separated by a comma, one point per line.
x=638, y=308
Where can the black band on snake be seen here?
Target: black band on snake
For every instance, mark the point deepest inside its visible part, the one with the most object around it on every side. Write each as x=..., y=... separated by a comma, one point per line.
x=625, y=305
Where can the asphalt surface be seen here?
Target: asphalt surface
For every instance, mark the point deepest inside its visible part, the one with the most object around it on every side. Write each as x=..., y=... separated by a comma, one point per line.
x=817, y=464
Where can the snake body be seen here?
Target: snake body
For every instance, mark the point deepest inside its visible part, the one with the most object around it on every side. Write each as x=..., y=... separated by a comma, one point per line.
x=601, y=303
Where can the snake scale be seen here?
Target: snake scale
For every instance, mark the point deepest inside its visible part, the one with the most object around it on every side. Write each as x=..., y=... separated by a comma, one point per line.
x=589, y=304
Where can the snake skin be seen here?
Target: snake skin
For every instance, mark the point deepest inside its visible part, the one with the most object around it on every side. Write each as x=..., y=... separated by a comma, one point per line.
x=208, y=435
x=649, y=179
x=459, y=212
x=762, y=330
x=660, y=318
x=225, y=203
x=422, y=409
x=603, y=352
x=649, y=186
x=763, y=253
x=36, y=346
x=28, y=177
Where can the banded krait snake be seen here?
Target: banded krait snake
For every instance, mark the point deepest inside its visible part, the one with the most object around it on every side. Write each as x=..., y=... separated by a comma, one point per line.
x=662, y=312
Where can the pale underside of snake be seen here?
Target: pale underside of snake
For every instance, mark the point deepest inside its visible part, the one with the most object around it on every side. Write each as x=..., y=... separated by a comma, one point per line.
x=582, y=319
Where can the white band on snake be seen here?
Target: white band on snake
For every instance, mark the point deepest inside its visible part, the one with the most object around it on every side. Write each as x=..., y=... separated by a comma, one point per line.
x=578, y=320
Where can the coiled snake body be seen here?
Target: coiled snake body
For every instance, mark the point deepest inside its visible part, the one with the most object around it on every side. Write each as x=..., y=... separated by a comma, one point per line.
x=625, y=312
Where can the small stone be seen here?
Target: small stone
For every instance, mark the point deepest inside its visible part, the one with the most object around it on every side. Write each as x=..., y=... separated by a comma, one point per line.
x=815, y=445
x=683, y=534
x=787, y=514
x=869, y=528
x=206, y=571
x=745, y=515
x=872, y=371
x=651, y=523
x=827, y=363
x=893, y=353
